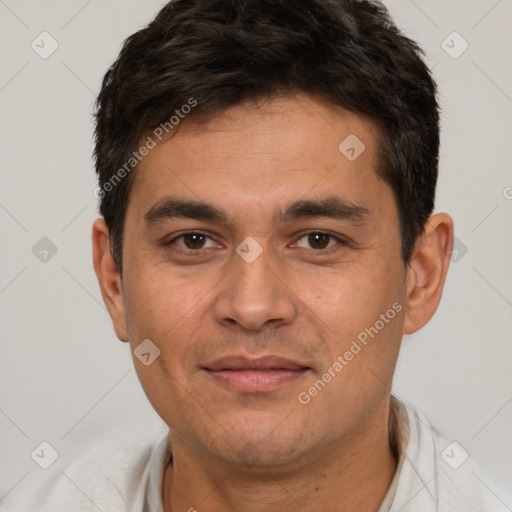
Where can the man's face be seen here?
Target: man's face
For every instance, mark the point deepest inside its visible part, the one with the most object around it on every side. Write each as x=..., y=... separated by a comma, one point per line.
x=302, y=288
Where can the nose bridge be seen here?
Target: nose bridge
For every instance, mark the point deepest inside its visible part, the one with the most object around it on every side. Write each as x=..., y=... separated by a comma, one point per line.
x=253, y=292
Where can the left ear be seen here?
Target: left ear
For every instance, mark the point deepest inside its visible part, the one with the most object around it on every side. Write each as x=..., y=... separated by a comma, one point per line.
x=426, y=271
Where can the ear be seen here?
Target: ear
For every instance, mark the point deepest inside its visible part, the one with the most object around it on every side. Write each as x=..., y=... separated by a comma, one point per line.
x=426, y=272
x=108, y=277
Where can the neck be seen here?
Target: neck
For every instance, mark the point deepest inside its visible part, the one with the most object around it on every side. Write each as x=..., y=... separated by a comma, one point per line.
x=355, y=474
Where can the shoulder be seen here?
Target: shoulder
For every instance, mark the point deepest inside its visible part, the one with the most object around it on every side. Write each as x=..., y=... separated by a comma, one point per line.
x=439, y=474
x=110, y=473
x=462, y=484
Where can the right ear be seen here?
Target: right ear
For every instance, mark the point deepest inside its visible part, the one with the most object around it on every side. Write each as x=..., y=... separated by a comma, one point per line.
x=109, y=277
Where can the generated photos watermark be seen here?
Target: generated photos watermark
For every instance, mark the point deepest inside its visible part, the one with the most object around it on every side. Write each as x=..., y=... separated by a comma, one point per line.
x=150, y=143
x=305, y=397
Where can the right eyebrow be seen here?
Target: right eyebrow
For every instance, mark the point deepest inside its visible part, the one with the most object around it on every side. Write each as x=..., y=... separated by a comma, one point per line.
x=170, y=208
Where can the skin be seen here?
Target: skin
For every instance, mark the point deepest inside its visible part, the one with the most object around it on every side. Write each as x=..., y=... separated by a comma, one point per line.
x=267, y=451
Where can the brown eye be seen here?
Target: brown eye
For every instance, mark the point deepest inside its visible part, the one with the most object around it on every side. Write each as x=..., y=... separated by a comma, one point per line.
x=320, y=241
x=190, y=241
x=193, y=240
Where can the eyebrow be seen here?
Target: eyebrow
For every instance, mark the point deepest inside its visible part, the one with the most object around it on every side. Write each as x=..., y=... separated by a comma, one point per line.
x=332, y=207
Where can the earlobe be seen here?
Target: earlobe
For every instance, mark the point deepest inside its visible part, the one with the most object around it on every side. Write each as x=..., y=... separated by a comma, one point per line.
x=109, y=278
x=426, y=272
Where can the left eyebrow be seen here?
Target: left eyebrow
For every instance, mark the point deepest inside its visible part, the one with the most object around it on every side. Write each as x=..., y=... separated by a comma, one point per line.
x=333, y=207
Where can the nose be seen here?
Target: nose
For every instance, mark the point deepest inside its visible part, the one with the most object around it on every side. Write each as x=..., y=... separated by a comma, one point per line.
x=255, y=294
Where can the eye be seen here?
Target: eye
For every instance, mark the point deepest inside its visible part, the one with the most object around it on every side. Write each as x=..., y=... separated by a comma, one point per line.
x=191, y=241
x=319, y=240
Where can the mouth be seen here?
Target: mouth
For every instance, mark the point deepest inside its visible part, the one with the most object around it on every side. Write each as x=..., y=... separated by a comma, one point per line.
x=255, y=375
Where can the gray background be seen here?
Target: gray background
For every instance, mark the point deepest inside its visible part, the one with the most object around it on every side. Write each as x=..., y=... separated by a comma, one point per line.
x=64, y=377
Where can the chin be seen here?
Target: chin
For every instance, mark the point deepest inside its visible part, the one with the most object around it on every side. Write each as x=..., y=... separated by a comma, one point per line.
x=260, y=442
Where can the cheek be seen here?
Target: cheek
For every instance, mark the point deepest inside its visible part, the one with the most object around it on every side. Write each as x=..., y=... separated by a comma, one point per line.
x=347, y=299
x=157, y=302
x=168, y=312
x=364, y=313
x=173, y=312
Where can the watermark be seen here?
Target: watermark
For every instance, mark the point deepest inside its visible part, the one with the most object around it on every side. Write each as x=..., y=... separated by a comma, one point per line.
x=304, y=397
x=351, y=147
x=459, y=250
x=44, y=250
x=454, y=45
x=146, y=352
x=249, y=249
x=44, y=455
x=454, y=455
x=44, y=45
x=158, y=133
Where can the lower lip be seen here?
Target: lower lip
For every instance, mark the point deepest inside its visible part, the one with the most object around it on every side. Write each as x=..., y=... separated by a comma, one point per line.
x=256, y=381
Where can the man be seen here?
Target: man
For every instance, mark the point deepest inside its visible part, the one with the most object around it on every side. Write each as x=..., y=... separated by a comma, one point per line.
x=267, y=174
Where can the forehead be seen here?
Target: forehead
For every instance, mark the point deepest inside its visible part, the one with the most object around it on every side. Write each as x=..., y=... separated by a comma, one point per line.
x=268, y=154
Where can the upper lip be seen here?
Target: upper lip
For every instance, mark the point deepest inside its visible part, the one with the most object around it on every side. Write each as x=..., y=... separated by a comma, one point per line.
x=260, y=363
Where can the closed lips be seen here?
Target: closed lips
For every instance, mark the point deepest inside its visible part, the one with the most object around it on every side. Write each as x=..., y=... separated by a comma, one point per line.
x=242, y=363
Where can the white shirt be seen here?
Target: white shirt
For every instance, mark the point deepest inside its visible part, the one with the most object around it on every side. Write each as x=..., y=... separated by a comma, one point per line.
x=125, y=475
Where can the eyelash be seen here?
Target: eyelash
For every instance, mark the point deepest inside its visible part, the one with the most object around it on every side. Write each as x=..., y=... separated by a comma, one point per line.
x=340, y=241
